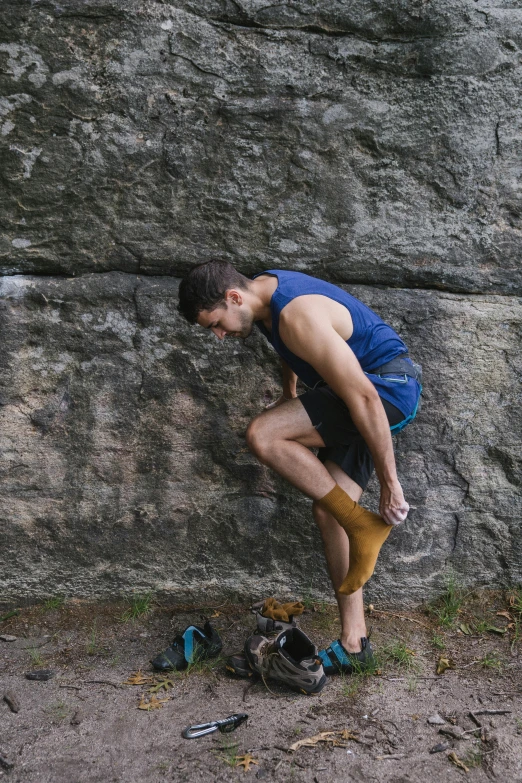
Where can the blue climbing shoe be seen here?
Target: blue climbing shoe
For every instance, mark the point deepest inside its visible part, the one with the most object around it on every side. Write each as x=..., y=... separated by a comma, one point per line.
x=337, y=660
x=194, y=644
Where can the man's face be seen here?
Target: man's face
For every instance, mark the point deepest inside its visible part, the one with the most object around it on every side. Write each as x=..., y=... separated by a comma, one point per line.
x=233, y=320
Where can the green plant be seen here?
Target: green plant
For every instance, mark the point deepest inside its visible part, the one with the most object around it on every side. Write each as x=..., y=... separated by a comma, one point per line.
x=515, y=607
x=397, y=653
x=515, y=601
x=438, y=641
x=307, y=600
x=491, y=660
x=139, y=606
x=227, y=752
x=448, y=605
x=200, y=666
x=54, y=603
x=36, y=656
x=413, y=684
x=474, y=757
x=481, y=626
x=351, y=684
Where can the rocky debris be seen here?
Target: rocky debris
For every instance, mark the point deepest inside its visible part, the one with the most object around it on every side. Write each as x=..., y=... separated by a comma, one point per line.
x=12, y=701
x=6, y=637
x=77, y=717
x=440, y=747
x=455, y=732
x=5, y=763
x=436, y=720
x=41, y=675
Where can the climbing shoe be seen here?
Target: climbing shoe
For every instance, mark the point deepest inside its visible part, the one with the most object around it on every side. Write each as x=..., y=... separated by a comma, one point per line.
x=237, y=665
x=337, y=660
x=194, y=644
x=289, y=658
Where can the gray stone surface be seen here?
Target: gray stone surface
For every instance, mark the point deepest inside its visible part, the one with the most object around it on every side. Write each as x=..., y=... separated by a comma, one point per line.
x=376, y=143
x=371, y=144
x=123, y=464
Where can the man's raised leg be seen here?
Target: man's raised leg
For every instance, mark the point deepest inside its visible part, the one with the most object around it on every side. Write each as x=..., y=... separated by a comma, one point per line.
x=281, y=438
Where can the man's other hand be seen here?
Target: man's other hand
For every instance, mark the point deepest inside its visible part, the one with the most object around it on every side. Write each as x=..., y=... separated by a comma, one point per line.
x=393, y=507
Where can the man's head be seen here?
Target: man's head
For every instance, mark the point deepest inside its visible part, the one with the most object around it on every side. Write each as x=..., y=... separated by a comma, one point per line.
x=215, y=295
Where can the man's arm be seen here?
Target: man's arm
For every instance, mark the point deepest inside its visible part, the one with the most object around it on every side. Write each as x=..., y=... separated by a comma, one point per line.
x=289, y=386
x=308, y=332
x=289, y=381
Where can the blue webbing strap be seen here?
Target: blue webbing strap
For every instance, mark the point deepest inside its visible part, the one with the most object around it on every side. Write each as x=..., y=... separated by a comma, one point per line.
x=339, y=653
x=188, y=638
x=402, y=424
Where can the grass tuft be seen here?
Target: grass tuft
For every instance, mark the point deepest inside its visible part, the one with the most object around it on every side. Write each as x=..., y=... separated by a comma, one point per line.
x=401, y=656
x=227, y=751
x=491, y=660
x=139, y=606
x=36, y=656
x=446, y=608
x=438, y=641
x=56, y=602
x=473, y=758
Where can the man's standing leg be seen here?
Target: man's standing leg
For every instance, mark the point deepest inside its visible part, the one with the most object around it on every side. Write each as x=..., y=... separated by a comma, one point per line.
x=337, y=553
x=281, y=439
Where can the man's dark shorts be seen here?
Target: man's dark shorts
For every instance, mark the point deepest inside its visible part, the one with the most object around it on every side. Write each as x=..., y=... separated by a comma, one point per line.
x=344, y=444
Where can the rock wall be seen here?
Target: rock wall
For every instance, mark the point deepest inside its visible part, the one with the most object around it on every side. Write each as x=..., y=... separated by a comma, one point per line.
x=376, y=145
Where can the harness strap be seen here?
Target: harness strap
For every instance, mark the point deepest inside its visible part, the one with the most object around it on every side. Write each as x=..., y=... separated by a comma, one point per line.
x=401, y=365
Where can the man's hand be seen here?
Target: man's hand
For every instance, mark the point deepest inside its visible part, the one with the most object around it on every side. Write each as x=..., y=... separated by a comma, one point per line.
x=393, y=507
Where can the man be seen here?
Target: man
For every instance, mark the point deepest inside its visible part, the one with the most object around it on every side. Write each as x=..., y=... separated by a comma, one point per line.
x=360, y=384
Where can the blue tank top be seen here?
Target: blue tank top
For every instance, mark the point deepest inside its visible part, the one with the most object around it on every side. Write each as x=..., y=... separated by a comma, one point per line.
x=373, y=342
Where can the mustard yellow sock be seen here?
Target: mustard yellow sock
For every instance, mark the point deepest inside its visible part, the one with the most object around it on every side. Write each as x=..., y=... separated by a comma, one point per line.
x=366, y=531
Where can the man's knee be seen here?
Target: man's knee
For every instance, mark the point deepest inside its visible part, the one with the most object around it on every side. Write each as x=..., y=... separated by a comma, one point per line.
x=256, y=436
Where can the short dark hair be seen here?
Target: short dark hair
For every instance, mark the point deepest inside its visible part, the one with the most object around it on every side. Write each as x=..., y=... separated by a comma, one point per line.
x=205, y=286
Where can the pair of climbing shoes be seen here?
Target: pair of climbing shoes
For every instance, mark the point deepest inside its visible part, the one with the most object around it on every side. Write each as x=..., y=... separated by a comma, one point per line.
x=194, y=644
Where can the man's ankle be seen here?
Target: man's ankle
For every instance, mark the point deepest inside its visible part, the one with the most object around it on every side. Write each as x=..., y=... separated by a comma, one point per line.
x=352, y=643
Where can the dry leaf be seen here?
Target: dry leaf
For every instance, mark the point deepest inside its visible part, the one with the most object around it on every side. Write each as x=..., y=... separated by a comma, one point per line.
x=506, y=615
x=444, y=663
x=216, y=614
x=464, y=627
x=455, y=760
x=162, y=682
x=334, y=738
x=245, y=761
x=138, y=678
x=152, y=704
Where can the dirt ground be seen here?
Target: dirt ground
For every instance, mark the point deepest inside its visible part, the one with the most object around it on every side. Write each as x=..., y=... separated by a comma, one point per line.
x=84, y=724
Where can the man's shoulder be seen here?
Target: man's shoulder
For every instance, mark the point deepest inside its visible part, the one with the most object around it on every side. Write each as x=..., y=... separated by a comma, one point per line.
x=306, y=308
